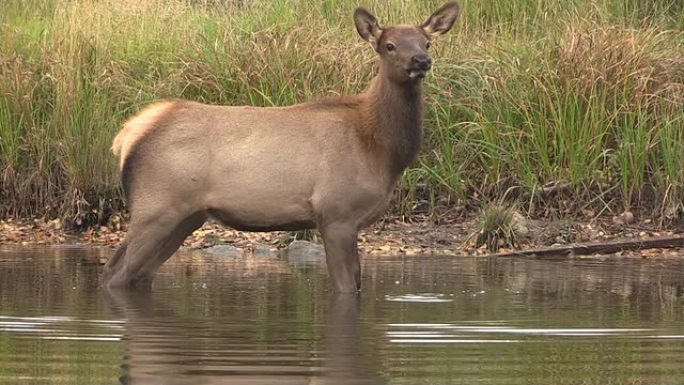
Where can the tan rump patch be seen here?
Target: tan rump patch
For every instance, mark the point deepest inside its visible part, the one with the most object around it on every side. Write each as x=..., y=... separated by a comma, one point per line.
x=137, y=127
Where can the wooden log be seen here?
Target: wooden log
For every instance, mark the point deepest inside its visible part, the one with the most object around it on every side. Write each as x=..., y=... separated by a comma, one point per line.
x=609, y=247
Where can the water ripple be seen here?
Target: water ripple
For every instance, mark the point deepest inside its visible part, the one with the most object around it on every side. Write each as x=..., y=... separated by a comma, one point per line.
x=62, y=328
x=457, y=333
x=419, y=298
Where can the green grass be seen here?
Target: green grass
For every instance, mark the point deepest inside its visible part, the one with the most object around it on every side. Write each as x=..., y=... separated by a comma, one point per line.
x=497, y=227
x=524, y=93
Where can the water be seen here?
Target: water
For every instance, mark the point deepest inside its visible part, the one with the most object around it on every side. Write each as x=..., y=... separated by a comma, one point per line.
x=268, y=320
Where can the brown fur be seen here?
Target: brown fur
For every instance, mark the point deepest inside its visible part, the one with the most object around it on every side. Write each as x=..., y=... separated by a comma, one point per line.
x=330, y=164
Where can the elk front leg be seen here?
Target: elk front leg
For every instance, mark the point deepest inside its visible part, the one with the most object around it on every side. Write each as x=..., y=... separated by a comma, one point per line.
x=342, y=257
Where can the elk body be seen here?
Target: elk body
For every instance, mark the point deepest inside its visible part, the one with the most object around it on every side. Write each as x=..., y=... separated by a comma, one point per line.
x=329, y=164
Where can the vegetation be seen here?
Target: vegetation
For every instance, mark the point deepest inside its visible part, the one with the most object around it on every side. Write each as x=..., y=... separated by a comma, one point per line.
x=497, y=228
x=587, y=94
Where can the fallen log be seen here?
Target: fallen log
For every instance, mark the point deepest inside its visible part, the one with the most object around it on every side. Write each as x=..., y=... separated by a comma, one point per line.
x=609, y=247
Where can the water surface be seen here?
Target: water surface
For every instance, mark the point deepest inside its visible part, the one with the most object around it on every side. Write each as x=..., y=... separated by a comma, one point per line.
x=270, y=320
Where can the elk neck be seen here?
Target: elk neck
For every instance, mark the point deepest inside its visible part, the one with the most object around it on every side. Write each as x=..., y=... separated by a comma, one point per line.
x=394, y=118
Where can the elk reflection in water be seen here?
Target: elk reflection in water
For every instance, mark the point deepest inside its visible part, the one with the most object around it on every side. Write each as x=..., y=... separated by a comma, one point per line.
x=163, y=347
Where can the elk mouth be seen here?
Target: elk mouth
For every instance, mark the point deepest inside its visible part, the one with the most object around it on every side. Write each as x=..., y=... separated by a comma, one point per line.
x=416, y=73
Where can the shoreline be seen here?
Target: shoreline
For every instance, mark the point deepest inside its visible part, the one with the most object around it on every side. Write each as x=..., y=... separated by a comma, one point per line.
x=451, y=237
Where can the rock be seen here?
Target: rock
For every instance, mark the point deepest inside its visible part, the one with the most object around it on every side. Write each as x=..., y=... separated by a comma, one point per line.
x=226, y=251
x=625, y=218
x=264, y=251
x=304, y=252
x=520, y=225
x=559, y=231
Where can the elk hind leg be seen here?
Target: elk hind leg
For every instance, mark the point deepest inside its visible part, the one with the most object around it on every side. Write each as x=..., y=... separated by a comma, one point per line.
x=149, y=243
x=175, y=240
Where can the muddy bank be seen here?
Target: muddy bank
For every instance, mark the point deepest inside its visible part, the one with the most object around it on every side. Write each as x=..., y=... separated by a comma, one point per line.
x=421, y=236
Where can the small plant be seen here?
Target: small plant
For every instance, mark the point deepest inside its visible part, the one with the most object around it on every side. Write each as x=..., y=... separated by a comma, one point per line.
x=312, y=236
x=497, y=227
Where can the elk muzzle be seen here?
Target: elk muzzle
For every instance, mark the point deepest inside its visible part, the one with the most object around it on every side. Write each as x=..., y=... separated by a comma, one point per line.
x=420, y=64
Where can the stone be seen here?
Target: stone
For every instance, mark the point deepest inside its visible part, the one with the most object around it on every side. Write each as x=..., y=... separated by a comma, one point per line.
x=304, y=252
x=226, y=251
x=264, y=251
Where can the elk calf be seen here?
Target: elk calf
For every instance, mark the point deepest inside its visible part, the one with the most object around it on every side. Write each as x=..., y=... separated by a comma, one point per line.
x=329, y=164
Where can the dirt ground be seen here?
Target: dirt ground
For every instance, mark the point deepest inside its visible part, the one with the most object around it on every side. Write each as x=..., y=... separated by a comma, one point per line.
x=391, y=236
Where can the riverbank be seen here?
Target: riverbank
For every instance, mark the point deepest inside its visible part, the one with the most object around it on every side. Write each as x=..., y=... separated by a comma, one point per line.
x=421, y=236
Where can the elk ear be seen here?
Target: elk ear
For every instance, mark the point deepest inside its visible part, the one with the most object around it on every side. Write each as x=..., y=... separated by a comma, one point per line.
x=442, y=20
x=367, y=26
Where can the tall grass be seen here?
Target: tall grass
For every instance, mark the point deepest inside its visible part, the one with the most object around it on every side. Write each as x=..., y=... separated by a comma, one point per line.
x=524, y=94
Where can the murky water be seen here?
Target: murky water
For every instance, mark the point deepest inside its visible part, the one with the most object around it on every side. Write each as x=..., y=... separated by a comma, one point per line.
x=267, y=320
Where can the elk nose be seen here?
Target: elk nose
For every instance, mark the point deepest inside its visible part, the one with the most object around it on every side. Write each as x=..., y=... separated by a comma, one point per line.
x=422, y=61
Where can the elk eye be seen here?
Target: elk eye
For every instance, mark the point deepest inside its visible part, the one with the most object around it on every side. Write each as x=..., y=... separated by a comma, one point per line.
x=427, y=45
x=390, y=47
